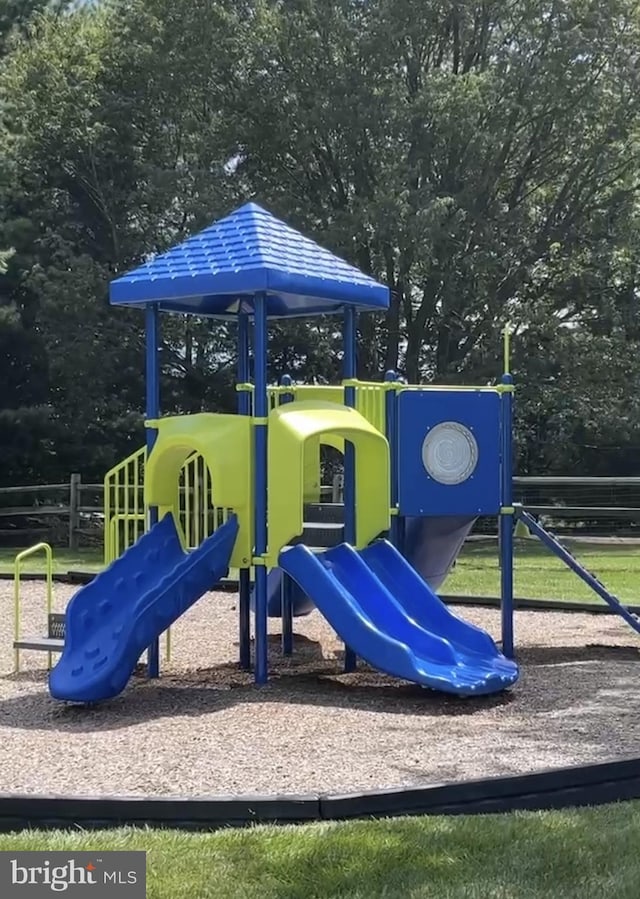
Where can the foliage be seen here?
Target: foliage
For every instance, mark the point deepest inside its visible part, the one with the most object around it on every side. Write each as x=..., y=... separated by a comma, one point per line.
x=15, y=15
x=479, y=157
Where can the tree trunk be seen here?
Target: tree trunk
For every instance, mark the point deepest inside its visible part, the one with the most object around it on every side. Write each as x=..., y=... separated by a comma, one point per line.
x=392, y=351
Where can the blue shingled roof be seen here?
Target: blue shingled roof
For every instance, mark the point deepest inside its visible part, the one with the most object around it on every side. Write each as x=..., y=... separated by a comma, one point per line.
x=218, y=271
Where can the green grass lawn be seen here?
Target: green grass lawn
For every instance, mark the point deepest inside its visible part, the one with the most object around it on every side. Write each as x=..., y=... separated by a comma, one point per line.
x=64, y=560
x=585, y=854
x=538, y=574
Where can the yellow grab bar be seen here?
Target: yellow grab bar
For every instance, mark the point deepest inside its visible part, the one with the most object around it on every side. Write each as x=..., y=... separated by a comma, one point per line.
x=17, y=569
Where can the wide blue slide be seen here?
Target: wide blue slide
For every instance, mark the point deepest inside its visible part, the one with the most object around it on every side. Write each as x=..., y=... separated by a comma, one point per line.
x=111, y=621
x=381, y=607
x=431, y=545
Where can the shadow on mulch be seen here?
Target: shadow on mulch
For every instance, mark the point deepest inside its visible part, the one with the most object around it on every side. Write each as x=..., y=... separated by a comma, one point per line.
x=554, y=655
x=307, y=678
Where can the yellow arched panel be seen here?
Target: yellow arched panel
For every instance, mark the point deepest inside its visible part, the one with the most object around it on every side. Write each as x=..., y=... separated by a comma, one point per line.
x=296, y=429
x=226, y=443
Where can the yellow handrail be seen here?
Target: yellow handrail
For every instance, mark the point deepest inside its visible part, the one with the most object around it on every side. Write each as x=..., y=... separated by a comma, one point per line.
x=123, y=483
x=506, y=336
x=44, y=547
x=124, y=502
x=139, y=519
x=126, y=514
x=369, y=397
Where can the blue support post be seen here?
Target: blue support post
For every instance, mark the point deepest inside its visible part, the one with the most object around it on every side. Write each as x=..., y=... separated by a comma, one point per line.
x=506, y=518
x=244, y=585
x=349, y=369
x=152, y=410
x=260, y=412
x=390, y=398
x=400, y=528
x=286, y=588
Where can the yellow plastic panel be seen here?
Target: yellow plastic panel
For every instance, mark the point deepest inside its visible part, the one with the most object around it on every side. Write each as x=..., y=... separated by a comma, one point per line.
x=370, y=402
x=325, y=393
x=225, y=442
x=294, y=430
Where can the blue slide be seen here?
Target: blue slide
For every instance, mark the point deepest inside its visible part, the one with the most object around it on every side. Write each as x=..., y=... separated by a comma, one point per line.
x=111, y=621
x=431, y=546
x=380, y=606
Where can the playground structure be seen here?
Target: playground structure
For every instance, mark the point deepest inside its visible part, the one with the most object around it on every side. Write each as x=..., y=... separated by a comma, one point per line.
x=264, y=467
x=421, y=464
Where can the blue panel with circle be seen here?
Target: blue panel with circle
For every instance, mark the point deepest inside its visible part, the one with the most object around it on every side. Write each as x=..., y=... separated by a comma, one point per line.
x=448, y=452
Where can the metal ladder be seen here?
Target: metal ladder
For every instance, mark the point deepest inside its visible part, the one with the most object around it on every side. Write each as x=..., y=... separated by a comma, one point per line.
x=589, y=578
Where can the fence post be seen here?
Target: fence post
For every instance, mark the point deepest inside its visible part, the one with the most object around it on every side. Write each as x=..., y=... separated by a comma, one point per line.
x=74, y=510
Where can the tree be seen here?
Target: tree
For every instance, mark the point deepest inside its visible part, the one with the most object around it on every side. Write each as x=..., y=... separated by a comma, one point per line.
x=480, y=157
x=23, y=410
x=15, y=16
x=110, y=160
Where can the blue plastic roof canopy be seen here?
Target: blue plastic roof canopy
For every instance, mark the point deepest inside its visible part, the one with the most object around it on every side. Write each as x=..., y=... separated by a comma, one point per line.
x=218, y=271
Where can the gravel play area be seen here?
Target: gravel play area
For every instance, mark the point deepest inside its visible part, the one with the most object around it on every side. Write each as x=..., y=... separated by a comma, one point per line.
x=204, y=728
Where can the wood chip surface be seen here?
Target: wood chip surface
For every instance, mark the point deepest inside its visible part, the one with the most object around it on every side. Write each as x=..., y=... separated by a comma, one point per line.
x=205, y=729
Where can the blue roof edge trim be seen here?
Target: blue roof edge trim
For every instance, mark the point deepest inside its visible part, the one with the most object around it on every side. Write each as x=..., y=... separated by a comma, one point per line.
x=247, y=252
x=187, y=287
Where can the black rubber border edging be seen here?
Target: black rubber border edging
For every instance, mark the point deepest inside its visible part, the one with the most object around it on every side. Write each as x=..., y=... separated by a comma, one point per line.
x=58, y=578
x=489, y=602
x=543, y=790
x=85, y=577
x=537, y=605
x=555, y=789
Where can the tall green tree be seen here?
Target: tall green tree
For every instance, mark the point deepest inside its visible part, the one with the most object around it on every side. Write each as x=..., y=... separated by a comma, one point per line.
x=112, y=163
x=480, y=157
x=16, y=14
x=25, y=438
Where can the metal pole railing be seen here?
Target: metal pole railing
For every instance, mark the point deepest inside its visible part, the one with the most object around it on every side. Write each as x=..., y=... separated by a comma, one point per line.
x=17, y=570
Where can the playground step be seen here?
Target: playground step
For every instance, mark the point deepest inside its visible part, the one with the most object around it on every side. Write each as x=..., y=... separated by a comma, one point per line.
x=40, y=644
x=312, y=549
x=53, y=642
x=321, y=534
x=56, y=629
x=328, y=513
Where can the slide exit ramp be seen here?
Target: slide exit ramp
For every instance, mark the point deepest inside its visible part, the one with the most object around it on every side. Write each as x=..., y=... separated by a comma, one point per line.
x=381, y=608
x=112, y=621
x=590, y=579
